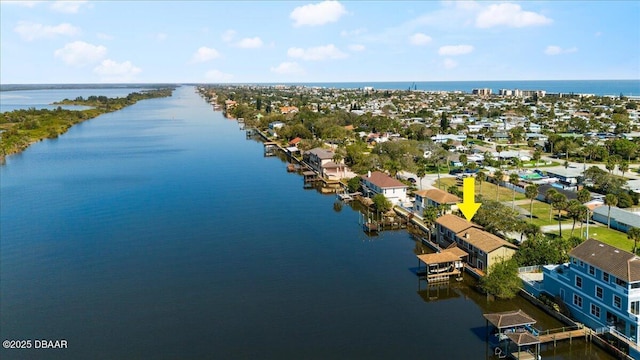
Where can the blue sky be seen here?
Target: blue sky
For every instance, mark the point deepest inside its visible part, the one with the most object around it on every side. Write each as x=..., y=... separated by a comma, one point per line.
x=328, y=41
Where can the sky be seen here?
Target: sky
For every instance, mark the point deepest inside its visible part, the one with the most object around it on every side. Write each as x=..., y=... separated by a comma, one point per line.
x=47, y=42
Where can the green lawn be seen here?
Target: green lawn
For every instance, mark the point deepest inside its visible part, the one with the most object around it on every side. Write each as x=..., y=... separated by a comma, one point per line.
x=541, y=214
x=488, y=190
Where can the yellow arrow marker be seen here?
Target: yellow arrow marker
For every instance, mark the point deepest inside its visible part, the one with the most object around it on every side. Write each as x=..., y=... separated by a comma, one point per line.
x=469, y=206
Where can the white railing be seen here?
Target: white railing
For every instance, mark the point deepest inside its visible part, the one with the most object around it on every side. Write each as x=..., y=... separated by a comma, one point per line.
x=528, y=269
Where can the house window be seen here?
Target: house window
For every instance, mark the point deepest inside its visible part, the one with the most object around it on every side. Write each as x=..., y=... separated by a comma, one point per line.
x=595, y=311
x=621, y=283
x=635, y=307
x=605, y=277
x=577, y=300
x=579, y=282
x=616, y=301
x=599, y=292
x=581, y=263
x=574, y=261
x=592, y=270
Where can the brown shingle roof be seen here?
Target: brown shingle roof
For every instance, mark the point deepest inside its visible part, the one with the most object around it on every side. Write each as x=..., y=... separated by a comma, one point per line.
x=508, y=319
x=454, y=223
x=483, y=240
x=383, y=180
x=441, y=196
x=619, y=263
x=439, y=258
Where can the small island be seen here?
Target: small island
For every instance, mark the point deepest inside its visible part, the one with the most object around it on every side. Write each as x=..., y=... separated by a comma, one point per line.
x=21, y=128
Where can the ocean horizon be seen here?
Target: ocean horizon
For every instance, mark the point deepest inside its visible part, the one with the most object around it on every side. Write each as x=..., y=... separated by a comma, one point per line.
x=628, y=87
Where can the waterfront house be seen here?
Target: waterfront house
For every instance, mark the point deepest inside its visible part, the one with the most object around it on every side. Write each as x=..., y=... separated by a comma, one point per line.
x=317, y=158
x=601, y=288
x=484, y=248
x=435, y=198
x=621, y=219
x=380, y=183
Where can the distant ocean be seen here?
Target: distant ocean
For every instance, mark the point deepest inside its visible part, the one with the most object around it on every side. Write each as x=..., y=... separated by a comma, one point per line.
x=596, y=87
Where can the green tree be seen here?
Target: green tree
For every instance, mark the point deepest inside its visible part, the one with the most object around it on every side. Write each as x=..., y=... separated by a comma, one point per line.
x=583, y=195
x=502, y=280
x=623, y=167
x=531, y=192
x=576, y=211
x=498, y=175
x=514, y=179
x=610, y=200
x=420, y=173
x=559, y=203
x=444, y=123
x=381, y=203
x=634, y=234
x=548, y=197
x=354, y=184
x=481, y=177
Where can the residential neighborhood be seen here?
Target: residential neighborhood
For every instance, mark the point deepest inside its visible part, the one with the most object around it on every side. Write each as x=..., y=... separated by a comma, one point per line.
x=554, y=173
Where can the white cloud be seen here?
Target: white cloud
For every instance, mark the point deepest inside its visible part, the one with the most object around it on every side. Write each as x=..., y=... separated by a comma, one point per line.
x=291, y=68
x=29, y=4
x=111, y=71
x=160, y=37
x=317, y=14
x=250, y=43
x=557, y=50
x=104, y=36
x=317, y=53
x=31, y=31
x=453, y=50
x=68, y=7
x=419, y=39
x=510, y=15
x=355, y=32
x=204, y=54
x=80, y=53
x=228, y=35
x=356, y=47
x=449, y=63
x=217, y=76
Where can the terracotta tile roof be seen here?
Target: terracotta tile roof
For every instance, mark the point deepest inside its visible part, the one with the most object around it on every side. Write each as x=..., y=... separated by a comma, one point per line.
x=454, y=223
x=483, y=240
x=441, y=196
x=619, y=263
x=383, y=180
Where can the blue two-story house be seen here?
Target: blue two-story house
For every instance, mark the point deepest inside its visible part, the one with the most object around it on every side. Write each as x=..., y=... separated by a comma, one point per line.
x=601, y=288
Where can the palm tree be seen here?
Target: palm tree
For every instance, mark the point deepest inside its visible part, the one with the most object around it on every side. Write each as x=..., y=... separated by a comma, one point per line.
x=623, y=166
x=531, y=192
x=634, y=234
x=559, y=202
x=548, y=197
x=576, y=211
x=480, y=178
x=420, y=173
x=514, y=179
x=498, y=175
x=610, y=200
x=583, y=195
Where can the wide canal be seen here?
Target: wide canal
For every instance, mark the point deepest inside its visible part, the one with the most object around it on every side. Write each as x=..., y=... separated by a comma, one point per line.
x=159, y=231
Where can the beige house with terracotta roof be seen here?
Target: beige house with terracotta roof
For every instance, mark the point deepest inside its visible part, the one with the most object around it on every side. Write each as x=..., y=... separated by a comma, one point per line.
x=380, y=183
x=484, y=248
x=434, y=198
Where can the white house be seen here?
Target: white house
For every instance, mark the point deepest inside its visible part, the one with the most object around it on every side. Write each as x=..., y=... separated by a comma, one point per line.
x=380, y=183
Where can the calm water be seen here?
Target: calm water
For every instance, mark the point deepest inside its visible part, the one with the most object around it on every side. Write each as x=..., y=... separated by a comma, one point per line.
x=43, y=98
x=160, y=232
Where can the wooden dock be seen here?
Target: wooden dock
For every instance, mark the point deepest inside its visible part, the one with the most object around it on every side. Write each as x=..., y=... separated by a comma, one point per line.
x=556, y=335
